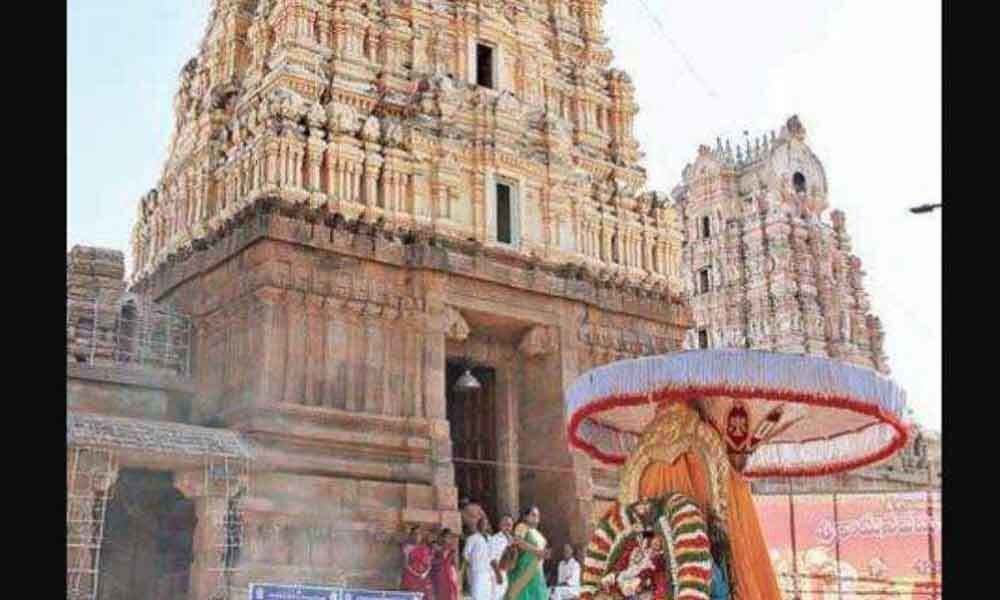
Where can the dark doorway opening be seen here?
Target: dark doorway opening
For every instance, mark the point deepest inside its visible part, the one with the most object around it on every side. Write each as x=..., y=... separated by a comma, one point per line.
x=472, y=417
x=703, y=281
x=503, y=214
x=148, y=539
x=799, y=181
x=484, y=65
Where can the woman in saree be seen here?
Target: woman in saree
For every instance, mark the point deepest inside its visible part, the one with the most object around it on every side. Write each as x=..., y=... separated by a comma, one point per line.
x=417, y=557
x=527, y=580
x=445, y=573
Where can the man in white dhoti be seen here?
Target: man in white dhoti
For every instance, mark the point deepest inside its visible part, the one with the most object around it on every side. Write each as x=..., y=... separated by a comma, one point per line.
x=498, y=542
x=568, y=580
x=477, y=556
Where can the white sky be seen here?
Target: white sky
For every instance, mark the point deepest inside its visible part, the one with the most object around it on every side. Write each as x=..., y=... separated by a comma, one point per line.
x=863, y=75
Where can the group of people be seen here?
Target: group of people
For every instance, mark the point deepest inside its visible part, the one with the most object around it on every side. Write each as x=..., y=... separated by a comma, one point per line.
x=502, y=565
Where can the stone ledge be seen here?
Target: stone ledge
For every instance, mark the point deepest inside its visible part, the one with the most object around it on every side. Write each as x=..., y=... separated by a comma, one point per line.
x=139, y=377
x=241, y=417
x=158, y=437
x=351, y=465
x=259, y=222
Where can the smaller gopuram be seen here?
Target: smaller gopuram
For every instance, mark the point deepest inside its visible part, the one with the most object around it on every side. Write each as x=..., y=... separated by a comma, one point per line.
x=767, y=267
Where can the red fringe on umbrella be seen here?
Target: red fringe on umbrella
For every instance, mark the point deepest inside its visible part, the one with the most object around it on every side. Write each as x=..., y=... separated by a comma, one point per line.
x=693, y=392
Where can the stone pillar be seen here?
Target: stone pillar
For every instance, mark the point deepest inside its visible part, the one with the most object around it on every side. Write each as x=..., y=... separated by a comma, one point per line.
x=271, y=375
x=420, y=193
x=581, y=503
x=315, y=160
x=508, y=382
x=561, y=489
x=373, y=163
x=271, y=150
x=435, y=326
x=332, y=176
x=208, y=567
x=648, y=263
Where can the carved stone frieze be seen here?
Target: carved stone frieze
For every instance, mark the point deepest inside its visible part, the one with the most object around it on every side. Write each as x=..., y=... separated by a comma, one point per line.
x=456, y=328
x=538, y=341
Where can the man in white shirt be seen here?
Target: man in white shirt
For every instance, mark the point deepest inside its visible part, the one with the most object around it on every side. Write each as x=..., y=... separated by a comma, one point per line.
x=568, y=581
x=477, y=556
x=471, y=512
x=498, y=542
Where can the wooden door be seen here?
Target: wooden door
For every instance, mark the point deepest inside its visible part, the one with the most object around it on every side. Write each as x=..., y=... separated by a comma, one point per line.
x=472, y=417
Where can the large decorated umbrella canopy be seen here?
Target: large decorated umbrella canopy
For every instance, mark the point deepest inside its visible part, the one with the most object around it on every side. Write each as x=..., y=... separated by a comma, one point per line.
x=779, y=414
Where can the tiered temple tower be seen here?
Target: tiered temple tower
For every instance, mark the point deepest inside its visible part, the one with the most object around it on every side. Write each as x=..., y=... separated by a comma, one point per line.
x=499, y=122
x=762, y=267
x=363, y=199
x=766, y=267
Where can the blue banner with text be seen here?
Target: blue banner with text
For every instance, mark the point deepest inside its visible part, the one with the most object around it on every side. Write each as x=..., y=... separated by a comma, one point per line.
x=280, y=591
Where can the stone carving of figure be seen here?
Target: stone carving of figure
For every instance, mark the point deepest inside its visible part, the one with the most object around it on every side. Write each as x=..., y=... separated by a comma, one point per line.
x=392, y=132
x=285, y=104
x=316, y=118
x=419, y=51
x=732, y=271
x=341, y=118
x=507, y=103
x=448, y=97
x=558, y=132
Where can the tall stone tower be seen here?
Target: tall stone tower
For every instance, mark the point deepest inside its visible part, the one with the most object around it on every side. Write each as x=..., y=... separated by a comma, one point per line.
x=498, y=122
x=364, y=199
x=763, y=268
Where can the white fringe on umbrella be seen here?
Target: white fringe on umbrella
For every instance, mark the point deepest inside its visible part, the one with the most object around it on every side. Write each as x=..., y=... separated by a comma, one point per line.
x=820, y=379
x=821, y=453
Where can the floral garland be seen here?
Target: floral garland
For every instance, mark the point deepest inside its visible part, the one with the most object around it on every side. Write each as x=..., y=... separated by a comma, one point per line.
x=608, y=536
x=683, y=527
x=681, y=524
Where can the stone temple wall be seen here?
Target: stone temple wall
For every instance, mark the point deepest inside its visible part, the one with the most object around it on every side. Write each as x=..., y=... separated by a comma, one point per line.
x=95, y=284
x=326, y=346
x=109, y=327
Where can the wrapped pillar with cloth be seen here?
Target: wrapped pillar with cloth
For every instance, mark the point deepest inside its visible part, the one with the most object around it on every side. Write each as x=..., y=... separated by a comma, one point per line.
x=688, y=430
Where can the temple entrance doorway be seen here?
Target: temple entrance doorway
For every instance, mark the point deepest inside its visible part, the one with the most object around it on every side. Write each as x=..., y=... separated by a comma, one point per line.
x=148, y=539
x=472, y=417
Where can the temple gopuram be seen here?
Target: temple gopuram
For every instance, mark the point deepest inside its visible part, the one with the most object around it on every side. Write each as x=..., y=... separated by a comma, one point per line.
x=767, y=266
x=364, y=202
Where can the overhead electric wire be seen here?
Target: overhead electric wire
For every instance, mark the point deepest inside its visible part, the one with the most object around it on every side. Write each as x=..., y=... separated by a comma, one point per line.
x=676, y=47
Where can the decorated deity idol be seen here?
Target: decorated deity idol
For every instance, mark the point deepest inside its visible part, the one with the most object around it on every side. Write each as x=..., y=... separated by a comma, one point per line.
x=688, y=429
